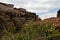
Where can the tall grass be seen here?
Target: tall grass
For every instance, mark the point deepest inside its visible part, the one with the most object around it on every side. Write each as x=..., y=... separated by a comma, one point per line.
x=32, y=31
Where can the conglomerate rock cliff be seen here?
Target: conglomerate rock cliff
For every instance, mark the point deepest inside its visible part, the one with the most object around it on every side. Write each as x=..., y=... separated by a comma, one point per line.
x=14, y=17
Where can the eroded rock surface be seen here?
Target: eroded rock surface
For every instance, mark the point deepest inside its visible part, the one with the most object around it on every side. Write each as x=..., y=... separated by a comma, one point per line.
x=15, y=17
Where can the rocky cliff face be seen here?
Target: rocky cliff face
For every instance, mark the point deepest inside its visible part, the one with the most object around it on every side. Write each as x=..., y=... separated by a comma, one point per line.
x=58, y=13
x=14, y=17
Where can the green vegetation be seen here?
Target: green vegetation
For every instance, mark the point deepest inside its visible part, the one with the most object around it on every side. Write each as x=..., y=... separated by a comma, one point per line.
x=32, y=31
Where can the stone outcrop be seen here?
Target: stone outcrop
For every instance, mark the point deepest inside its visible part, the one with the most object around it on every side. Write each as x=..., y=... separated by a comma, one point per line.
x=58, y=13
x=15, y=17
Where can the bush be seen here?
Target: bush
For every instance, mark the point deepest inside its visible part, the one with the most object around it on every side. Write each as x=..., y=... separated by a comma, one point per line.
x=40, y=32
x=32, y=31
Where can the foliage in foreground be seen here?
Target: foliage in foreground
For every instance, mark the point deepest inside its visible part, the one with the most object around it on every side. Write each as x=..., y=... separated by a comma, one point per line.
x=32, y=31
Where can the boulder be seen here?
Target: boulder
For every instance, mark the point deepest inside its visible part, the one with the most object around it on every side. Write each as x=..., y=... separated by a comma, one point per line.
x=58, y=13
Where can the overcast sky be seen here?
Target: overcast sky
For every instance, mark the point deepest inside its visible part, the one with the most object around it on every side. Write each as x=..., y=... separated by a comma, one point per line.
x=43, y=8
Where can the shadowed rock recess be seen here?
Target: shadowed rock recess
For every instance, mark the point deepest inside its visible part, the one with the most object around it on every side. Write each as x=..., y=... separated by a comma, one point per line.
x=14, y=17
x=58, y=13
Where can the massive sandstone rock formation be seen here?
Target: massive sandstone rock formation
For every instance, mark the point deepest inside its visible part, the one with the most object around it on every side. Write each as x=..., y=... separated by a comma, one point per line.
x=14, y=17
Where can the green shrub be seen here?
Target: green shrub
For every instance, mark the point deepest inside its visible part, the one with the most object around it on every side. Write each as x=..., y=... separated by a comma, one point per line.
x=32, y=31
